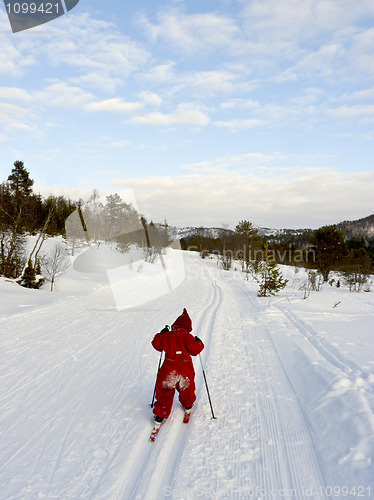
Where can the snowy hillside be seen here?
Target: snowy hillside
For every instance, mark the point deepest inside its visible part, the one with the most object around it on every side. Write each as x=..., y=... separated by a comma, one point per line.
x=291, y=381
x=352, y=229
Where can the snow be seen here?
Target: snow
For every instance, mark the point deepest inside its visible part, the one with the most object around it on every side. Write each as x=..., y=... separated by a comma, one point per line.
x=291, y=383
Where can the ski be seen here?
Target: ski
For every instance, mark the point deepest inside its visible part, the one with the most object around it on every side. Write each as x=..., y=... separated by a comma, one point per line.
x=157, y=426
x=186, y=417
x=154, y=432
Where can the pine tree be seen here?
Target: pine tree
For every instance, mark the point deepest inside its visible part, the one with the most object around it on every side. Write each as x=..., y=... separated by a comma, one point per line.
x=329, y=249
x=356, y=269
x=29, y=276
x=248, y=240
x=38, y=268
x=19, y=181
x=272, y=280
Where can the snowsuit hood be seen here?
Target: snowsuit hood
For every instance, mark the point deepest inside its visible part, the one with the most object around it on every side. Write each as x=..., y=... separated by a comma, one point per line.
x=183, y=321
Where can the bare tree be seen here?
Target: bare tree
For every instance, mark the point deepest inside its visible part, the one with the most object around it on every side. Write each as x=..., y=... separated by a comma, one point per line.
x=56, y=263
x=41, y=237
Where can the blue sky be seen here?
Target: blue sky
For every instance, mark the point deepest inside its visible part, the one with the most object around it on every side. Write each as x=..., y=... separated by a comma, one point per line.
x=210, y=111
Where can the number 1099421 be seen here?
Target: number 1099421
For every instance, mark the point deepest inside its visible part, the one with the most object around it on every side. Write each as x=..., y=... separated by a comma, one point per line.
x=33, y=8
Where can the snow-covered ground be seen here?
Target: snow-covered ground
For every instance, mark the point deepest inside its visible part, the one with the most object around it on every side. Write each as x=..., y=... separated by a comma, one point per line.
x=291, y=382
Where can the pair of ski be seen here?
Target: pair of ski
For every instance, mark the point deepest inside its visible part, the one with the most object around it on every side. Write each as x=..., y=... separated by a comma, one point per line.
x=157, y=426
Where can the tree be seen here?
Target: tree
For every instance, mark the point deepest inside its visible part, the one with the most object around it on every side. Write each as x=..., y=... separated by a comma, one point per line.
x=41, y=238
x=20, y=182
x=15, y=214
x=330, y=249
x=356, y=269
x=246, y=229
x=247, y=239
x=93, y=215
x=272, y=280
x=29, y=276
x=56, y=263
x=12, y=244
x=122, y=220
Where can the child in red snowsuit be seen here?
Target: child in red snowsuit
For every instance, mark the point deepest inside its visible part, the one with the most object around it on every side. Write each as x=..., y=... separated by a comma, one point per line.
x=177, y=371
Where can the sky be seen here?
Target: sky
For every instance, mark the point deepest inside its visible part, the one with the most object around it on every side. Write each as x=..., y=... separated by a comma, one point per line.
x=209, y=111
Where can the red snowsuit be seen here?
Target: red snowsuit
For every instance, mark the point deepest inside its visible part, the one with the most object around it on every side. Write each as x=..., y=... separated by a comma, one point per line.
x=177, y=371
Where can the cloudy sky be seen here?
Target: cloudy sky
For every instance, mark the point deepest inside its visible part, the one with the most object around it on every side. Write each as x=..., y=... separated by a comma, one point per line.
x=211, y=111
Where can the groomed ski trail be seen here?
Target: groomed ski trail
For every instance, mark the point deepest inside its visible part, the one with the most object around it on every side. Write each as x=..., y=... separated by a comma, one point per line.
x=159, y=461
x=76, y=388
x=261, y=445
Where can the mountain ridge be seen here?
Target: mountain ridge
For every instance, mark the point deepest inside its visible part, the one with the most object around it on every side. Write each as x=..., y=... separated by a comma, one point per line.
x=359, y=228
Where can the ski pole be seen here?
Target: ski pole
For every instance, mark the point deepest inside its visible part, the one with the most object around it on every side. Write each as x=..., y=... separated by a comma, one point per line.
x=207, y=389
x=154, y=392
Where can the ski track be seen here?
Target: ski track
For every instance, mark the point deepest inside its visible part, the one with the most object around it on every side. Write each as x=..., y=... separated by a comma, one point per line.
x=332, y=356
x=160, y=460
x=263, y=449
x=75, y=411
x=286, y=446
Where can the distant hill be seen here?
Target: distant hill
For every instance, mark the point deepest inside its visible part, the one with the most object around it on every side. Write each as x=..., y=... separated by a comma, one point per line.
x=190, y=232
x=361, y=228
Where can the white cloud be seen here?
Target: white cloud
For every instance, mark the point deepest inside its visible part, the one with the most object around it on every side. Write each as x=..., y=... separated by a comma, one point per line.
x=310, y=198
x=160, y=73
x=296, y=21
x=185, y=114
x=150, y=98
x=74, y=193
x=97, y=81
x=239, y=161
x=213, y=82
x=63, y=95
x=316, y=63
x=120, y=144
x=15, y=94
x=190, y=33
x=237, y=124
x=289, y=40
x=13, y=61
x=360, y=52
x=95, y=50
x=24, y=110
x=97, y=45
x=13, y=116
x=305, y=39
x=359, y=95
x=116, y=105
x=250, y=113
x=240, y=103
x=364, y=113
x=199, y=84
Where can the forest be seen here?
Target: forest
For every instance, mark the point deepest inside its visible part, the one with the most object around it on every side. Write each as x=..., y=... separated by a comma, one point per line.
x=347, y=248
x=24, y=213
